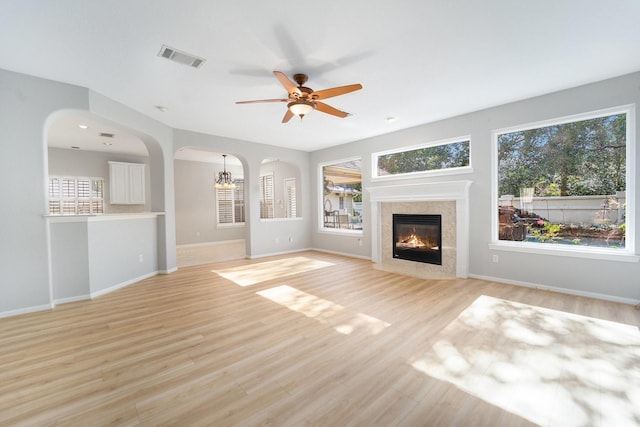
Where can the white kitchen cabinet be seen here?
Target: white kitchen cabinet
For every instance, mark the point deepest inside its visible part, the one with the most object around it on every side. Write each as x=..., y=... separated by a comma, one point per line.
x=126, y=183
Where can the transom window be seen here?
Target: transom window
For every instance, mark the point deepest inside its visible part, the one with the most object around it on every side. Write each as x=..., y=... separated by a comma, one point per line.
x=447, y=156
x=70, y=195
x=566, y=183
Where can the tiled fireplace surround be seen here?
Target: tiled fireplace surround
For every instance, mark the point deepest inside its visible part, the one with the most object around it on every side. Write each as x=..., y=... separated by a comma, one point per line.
x=449, y=199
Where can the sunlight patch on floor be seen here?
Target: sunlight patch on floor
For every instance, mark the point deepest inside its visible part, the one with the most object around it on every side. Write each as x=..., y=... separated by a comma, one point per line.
x=343, y=320
x=549, y=367
x=252, y=274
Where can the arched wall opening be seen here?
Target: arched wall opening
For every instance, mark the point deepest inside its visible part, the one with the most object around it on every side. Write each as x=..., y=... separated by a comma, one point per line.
x=210, y=218
x=280, y=191
x=97, y=241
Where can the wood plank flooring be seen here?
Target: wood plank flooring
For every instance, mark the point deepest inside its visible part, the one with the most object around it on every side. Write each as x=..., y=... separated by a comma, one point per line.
x=323, y=340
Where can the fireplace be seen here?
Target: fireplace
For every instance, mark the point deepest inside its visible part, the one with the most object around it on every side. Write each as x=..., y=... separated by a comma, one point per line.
x=418, y=238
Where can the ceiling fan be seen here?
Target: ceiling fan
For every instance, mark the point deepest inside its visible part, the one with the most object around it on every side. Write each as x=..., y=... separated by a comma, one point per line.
x=303, y=100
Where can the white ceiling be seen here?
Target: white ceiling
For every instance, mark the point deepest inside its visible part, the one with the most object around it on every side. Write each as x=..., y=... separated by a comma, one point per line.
x=418, y=61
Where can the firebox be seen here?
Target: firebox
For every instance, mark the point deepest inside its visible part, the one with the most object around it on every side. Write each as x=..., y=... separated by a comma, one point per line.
x=418, y=238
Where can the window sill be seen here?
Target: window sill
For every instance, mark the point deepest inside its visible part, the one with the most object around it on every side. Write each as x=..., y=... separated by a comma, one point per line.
x=424, y=174
x=558, y=250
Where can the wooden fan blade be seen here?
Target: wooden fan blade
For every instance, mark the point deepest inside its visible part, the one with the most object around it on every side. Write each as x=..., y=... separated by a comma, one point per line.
x=287, y=83
x=287, y=116
x=262, y=100
x=321, y=106
x=328, y=93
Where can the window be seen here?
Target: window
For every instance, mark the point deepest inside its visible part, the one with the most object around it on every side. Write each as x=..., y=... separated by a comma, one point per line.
x=290, y=194
x=76, y=195
x=267, y=204
x=436, y=156
x=565, y=183
x=230, y=204
x=342, y=196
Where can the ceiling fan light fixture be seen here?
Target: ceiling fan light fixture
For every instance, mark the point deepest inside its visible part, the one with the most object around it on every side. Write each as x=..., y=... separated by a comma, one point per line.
x=301, y=107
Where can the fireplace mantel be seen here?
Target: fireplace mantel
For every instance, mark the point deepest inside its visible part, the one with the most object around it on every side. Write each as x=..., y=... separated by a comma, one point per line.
x=457, y=191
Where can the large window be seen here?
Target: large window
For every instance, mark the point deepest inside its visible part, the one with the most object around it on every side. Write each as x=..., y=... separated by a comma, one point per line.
x=342, y=196
x=565, y=183
x=76, y=195
x=448, y=156
x=230, y=204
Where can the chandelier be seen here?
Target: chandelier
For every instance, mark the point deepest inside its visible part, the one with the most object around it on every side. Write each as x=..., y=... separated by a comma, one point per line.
x=224, y=179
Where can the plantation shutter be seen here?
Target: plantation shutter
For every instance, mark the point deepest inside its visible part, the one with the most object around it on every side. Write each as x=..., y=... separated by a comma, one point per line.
x=225, y=205
x=290, y=191
x=76, y=196
x=238, y=201
x=266, y=199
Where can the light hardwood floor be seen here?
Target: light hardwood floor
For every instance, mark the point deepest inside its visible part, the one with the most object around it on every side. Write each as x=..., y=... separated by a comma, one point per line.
x=319, y=339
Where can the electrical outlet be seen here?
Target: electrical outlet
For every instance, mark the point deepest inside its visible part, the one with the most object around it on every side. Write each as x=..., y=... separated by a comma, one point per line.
x=140, y=258
x=496, y=258
x=290, y=239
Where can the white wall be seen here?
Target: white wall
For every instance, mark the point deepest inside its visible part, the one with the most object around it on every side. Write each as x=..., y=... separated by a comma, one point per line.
x=609, y=279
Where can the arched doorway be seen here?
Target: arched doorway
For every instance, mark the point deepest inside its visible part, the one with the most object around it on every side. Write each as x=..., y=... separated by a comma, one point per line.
x=210, y=221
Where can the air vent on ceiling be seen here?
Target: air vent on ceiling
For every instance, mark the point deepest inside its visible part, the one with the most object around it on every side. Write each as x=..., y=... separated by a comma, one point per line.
x=107, y=135
x=180, y=57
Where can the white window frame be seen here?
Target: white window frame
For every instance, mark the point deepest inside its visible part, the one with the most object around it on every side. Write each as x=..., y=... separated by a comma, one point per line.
x=233, y=191
x=320, y=210
x=418, y=174
x=91, y=199
x=627, y=254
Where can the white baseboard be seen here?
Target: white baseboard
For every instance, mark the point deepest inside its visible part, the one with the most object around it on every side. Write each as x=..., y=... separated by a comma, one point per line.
x=367, y=258
x=26, y=310
x=220, y=242
x=122, y=285
x=293, y=251
x=169, y=271
x=75, y=298
x=71, y=299
x=556, y=289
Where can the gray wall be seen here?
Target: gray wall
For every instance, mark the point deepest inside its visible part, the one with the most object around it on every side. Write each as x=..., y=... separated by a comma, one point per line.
x=96, y=164
x=196, y=205
x=263, y=237
x=616, y=279
x=121, y=251
x=25, y=105
x=281, y=171
x=69, y=261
